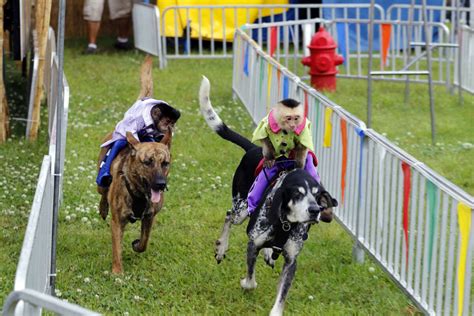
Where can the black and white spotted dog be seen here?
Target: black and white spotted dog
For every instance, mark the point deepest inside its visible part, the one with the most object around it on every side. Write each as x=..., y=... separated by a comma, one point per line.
x=281, y=222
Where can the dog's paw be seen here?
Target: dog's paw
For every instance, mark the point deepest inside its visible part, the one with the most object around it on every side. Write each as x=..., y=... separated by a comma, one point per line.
x=220, y=250
x=247, y=284
x=117, y=270
x=136, y=246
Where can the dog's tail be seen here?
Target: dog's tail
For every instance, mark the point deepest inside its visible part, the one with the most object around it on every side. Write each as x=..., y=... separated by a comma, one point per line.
x=215, y=122
x=146, y=78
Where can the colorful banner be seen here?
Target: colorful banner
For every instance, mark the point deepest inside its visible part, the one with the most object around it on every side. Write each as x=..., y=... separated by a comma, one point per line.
x=273, y=40
x=327, y=127
x=246, y=60
x=406, y=202
x=344, y=158
x=386, y=33
x=464, y=221
x=286, y=87
x=269, y=86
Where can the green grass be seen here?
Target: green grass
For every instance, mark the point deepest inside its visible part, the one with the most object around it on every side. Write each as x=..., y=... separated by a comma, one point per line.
x=178, y=274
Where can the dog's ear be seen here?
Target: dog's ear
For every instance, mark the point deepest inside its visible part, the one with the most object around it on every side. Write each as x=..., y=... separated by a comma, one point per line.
x=326, y=200
x=167, y=138
x=275, y=210
x=132, y=141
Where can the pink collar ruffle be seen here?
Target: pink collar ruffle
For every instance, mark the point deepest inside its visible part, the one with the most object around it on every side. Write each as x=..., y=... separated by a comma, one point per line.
x=275, y=128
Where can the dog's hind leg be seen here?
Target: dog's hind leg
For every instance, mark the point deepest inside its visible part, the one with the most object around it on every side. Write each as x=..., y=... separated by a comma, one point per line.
x=139, y=245
x=249, y=282
x=291, y=251
x=222, y=244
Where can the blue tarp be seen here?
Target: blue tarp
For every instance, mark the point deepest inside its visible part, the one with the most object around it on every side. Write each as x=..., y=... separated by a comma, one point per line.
x=364, y=14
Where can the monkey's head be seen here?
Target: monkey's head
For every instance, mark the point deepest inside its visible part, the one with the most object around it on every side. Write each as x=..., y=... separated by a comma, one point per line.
x=164, y=116
x=289, y=114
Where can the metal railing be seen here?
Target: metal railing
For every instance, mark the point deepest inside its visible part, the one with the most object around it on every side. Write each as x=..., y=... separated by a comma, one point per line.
x=452, y=13
x=185, y=27
x=416, y=224
x=32, y=288
x=288, y=53
x=205, y=32
x=35, y=258
x=39, y=300
x=465, y=77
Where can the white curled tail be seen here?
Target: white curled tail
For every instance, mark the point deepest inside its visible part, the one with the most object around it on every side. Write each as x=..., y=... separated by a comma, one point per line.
x=211, y=117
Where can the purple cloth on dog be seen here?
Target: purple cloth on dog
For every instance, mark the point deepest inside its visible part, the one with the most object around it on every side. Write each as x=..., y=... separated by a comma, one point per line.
x=266, y=174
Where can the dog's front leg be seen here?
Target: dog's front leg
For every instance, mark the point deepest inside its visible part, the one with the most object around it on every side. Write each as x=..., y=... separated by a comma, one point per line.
x=249, y=282
x=290, y=252
x=222, y=244
x=139, y=245
x=118, y=226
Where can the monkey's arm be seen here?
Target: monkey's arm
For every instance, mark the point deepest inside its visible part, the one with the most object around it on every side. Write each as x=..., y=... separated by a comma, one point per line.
x=268, y=153
x=300, y=155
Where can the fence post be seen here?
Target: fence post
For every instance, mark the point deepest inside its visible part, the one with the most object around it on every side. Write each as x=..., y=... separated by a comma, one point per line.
x=357, y=249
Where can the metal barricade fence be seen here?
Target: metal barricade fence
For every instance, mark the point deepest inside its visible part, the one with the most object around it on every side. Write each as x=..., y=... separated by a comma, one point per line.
x=450, y=13
x=35, y=258
x=192, y=32
x=37, y=300
x=49, y=81
x=53, y=105
x=465, y=79
x=32, y=92
x=32, y=279
x=289, y=54
x=183, y=27
x=417, y=225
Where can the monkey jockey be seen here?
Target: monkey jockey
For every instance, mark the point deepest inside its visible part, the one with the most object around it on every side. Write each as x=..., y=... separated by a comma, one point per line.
x=285, y=135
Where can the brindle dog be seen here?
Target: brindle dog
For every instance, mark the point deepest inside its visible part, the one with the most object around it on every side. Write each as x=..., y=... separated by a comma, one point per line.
x=139, y=175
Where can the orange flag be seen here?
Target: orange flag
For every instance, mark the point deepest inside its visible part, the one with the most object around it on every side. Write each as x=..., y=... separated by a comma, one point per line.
x=386, y=31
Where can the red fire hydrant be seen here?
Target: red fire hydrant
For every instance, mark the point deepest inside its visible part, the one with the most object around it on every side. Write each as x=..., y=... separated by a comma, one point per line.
x=323, y=61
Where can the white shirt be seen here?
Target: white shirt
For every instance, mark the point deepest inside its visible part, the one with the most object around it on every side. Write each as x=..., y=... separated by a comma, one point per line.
x=135, y=119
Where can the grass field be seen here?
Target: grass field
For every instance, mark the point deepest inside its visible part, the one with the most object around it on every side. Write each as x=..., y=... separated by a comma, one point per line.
x=178, y=274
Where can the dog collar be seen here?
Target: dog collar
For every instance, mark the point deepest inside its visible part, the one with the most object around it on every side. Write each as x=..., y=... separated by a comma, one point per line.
x=285, y=225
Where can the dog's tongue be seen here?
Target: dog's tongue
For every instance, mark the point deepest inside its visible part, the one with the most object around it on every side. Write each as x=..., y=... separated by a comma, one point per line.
x=155, y=196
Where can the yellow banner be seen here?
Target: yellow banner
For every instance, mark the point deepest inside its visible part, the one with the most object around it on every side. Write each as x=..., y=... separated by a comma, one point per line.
x=223, y=20
x=327, y=127
x=269, y=87
x=464, y=221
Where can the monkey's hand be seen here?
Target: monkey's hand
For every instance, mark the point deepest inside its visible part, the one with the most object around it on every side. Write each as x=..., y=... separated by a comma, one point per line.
x=300, y=156
x=268, y=151
x=268, y=163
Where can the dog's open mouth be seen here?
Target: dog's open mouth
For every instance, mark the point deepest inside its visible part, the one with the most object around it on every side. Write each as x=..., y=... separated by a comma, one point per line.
x=156, y=196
